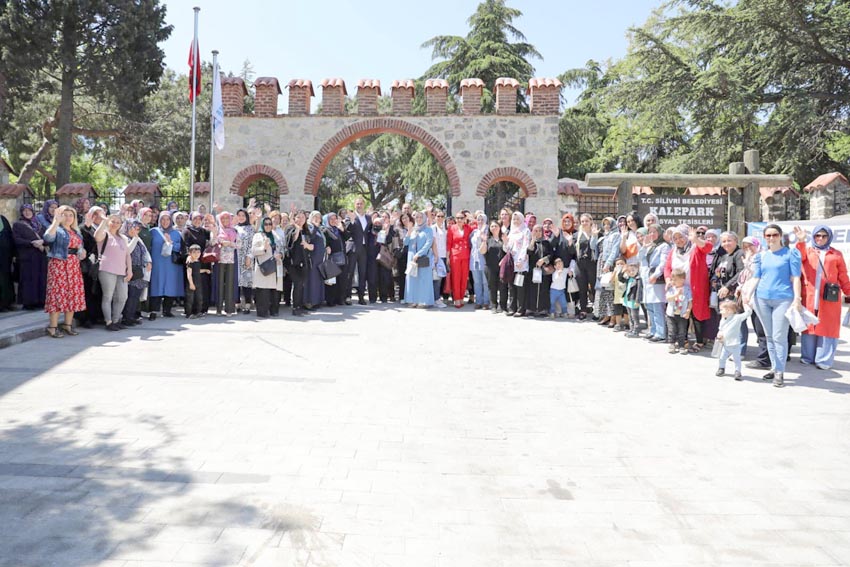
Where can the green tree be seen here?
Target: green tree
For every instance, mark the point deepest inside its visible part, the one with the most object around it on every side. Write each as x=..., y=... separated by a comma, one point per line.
x=104, y=49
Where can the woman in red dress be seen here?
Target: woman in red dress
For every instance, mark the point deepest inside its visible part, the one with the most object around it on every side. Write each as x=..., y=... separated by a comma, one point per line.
x=65, y=292
x=457, y=245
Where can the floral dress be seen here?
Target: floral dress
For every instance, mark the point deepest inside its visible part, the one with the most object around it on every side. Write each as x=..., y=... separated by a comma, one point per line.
x=65, y=290
x=246, y=236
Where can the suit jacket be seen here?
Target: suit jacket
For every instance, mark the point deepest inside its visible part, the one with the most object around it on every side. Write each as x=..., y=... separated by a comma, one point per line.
x=355, y=232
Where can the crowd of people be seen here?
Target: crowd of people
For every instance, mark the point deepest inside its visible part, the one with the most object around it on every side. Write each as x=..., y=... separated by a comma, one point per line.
x=90, y=266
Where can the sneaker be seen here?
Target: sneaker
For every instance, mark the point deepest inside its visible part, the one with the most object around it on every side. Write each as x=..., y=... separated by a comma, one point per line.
x=822, y=367
x=778, y=380
x=756, y=364
x=720, y=372
x=193, y=316
x=738, y=376
x=633, y=335
x=551, y=315
x=683, y=351
x=440, y=304
x=673, y=349
x=769, y=376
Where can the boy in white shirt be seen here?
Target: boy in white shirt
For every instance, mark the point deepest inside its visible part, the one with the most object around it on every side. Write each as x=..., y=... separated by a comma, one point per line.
x=557, y=293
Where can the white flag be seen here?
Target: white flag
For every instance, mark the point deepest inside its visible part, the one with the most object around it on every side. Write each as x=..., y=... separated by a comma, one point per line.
x=217, y=111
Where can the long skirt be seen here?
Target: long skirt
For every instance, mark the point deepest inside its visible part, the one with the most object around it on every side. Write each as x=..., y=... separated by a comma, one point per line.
x=32, y=287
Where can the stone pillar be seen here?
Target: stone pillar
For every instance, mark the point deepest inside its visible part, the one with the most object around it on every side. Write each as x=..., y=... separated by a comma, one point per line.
x=368, y=91
x=751, y=191
x=402, y=93
x=333, y=97
x=545, y=96
x=300, y=93
x=266, y=91
x=233, y=93
x=506, y=95
x=471, y=91
x=436, y=96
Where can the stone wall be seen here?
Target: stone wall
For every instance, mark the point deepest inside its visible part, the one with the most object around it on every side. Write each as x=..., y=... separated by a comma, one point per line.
x=829, y=201
x=781, y=206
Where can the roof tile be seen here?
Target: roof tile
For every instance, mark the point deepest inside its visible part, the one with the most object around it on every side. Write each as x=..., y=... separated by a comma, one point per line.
x=507, y=82
x=268, y=82
x=302, y=84
x=76, y=190
x=14, y=189
x=235, y=81
x=544, y=82
x=201, y=187
x=766, y=192
x=824, y=180
x=436, y=84
x=472, y=82
x=335, y=82
x=704, y=191
x=568, y=187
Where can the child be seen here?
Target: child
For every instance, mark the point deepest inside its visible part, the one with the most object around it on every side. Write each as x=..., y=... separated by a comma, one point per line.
x=631, y=298
x=679, y=302
x=729, y=334
x=557, y=294
x=619, y=288
x=194, y=295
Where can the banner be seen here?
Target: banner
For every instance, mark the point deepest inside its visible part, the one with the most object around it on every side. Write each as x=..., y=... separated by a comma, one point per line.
x=217, y=110
x=840, y=229
x=693, y=210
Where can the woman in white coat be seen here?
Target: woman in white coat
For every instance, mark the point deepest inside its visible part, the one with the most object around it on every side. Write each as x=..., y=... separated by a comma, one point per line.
x=267, y=286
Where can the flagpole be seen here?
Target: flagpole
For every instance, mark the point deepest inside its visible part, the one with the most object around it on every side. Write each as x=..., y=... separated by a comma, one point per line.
x=194, y=105
x=212, y=133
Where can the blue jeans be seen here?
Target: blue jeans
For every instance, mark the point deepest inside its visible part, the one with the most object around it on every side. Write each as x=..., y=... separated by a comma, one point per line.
x=560, y=297
x=658, y=320
x=725, y=353
x=482, y=289
x=771, y=313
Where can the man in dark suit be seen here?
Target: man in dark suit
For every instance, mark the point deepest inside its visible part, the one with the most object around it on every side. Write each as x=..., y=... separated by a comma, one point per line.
x=358, y=230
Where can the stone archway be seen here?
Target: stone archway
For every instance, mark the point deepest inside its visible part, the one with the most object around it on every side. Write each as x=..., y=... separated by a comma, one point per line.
x=254, y=172
x=512, y=174
x=379, y=125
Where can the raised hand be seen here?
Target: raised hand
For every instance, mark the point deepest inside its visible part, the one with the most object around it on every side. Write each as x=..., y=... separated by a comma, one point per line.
x=800, y=233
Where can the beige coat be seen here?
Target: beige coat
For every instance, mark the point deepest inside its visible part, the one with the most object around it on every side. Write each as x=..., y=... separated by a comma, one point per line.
x=261, y=250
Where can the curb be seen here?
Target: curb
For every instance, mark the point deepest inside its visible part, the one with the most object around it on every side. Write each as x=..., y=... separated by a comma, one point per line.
x=21, y=335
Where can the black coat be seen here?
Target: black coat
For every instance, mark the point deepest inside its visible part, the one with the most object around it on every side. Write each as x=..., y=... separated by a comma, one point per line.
x=298, y=257
x=355, y=232
x=7, y=246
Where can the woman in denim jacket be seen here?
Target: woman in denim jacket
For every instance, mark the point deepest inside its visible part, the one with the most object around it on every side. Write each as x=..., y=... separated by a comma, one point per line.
x=65, y=293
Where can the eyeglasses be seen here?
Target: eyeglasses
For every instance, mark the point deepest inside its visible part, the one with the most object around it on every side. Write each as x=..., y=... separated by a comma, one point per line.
x=821, y=235
x=772, y=235
x=441, y=216
x=701, y=232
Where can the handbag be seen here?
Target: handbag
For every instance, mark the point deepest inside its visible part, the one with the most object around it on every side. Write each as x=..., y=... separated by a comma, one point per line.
x=607, y=280
x=268, y=267
x=506, y=269
x=519, y=279
x=412, y=269
x=831, y=291
x=385, y=257
x=212, y=254
x=328, y=269
x=537, y=276
x=423, y=261
x=167, y=247
x=338, y=258
x=572, y=285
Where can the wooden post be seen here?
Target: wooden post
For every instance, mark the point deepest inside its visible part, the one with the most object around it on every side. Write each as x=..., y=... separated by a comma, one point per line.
x=735, y=204
x=624, y=198
x=752, y=211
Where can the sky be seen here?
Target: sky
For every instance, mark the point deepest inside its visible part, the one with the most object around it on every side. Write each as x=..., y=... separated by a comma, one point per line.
x=381, y=39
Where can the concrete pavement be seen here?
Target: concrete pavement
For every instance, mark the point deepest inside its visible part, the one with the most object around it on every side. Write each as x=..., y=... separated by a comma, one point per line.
x=385, y=436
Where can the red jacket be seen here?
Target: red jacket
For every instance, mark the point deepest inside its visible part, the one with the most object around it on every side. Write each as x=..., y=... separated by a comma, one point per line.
x=700, y=288
x=457, y=245
x=835, y=271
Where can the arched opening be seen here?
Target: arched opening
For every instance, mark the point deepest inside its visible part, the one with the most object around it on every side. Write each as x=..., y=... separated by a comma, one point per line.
x=262, y=183
x=373, y=127
x=505, y=187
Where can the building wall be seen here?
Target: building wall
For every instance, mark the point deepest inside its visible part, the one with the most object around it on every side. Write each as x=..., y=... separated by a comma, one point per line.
x=829, y=201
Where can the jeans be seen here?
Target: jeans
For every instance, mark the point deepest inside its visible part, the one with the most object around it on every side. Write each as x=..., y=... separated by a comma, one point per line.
x=658, y=322
x=725, y=353
x=557, y=296
x=771, y=312
x=481, y=289
x=634, y=319
x=518, y=295
x=114, y=296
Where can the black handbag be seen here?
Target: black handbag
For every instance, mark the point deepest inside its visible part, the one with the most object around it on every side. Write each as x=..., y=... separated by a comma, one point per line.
x=423, y=261
x=328, y=269
x=338, y=258
x=178, y=257
x=268, y=267
x=138, y=273
x=831, y=291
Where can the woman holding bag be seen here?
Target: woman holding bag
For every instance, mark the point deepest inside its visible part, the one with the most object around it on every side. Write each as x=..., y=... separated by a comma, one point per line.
x=419, y=285
x=166, y=276
x=335, y=240
x=824, y=281
x=299, y=246
x=267, y=284
x=517, y=245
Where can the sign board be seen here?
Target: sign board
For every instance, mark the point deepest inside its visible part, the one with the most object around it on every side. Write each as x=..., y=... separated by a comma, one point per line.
x=840, y=229
x=693, y=210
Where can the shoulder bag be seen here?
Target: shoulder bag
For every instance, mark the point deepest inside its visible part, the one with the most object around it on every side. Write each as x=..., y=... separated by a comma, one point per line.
x=212, y=254
x=268, y=266
x=831, y=291
x=328, y=269
x=423, y=261
x=385, y=257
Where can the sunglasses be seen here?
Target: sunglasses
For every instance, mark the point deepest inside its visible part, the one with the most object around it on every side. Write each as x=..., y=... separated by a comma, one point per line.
x=821, y=235
x=701, y=232
x=772, y=235
x=441, y=216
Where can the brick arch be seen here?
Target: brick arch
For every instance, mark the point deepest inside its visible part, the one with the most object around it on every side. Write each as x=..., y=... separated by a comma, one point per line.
x=379, y=125
x=254, y=172
x=512, y=174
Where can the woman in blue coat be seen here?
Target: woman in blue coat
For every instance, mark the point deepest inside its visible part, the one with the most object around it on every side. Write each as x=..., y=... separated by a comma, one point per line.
x=166, y=276
x=419, y=289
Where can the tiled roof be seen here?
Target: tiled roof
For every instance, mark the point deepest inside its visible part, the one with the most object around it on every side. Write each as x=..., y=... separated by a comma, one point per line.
x=507, y=82
x=544, y=82
x=704, y=191
x=336, y=82
x=826, y=179
x=436, y=84
x=369, y=84
x=567, y=186
x=142, y=189
x=640, y=190
x=76, y=190
x=402, y=84
x=13, y=189
x=235, y=81
x=267, y=82
x=766, y=192
x=471, y=83
x=303, y=84
x=201, y=187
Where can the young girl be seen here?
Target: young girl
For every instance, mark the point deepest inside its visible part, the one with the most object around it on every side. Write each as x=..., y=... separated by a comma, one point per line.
x=557, y=293
x=618, y=322
x=679, y=303
x=631, y=298
x=195, y=293
x=729, y=334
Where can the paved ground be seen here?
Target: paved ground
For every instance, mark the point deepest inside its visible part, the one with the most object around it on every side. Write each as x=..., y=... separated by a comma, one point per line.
x=380, y=437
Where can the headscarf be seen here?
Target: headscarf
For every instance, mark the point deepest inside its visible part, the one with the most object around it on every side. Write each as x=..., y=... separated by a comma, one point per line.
x=78, y=205
x=685, y=231
x=642, y=231
x=194, y=215
x=612, y=223
x=247, y=217
x=159, y=220
x=142, y=212
x=332, y=231
x=572, y=228
x=228, y=231
x=523, y=226
x=45, y=210
x=270, y=233
x=716, y=232
x=33, y=222
x=752, y=241
x=829, y=237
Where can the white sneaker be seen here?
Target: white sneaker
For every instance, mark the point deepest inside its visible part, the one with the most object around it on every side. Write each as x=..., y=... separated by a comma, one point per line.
x=439, y=304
